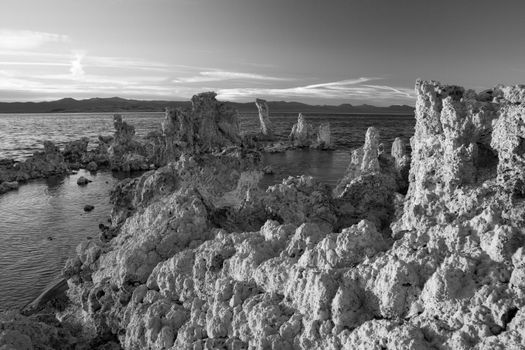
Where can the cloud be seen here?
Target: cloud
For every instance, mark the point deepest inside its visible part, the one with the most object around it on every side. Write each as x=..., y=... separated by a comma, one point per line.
x=217, y=75
x=76, y=69
x=26, y=39
x=351, y=89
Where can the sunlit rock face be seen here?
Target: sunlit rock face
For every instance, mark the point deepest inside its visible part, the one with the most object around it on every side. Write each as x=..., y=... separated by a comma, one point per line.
x=209, y=125
x=203, y=258
x=264, y=118
x=302, y=134
x=372, y=186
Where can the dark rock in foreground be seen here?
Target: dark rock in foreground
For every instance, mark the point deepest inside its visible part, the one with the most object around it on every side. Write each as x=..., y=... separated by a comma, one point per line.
x=8, y=186
x=82, y=181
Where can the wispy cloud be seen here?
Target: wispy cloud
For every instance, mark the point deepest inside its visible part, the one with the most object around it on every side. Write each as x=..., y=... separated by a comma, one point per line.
x=337, y=90
x=76, y=69
x=27, y=39
x=217, y=75
x=66, y=72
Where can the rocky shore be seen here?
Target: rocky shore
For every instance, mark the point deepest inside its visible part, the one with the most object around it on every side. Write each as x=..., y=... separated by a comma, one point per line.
x=407, y=252
x=182, y=129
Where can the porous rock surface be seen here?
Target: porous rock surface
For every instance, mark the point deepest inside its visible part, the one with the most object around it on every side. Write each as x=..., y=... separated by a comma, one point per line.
x=186, y=270
x=41, y=164
x=303, y=134
x=264, y=118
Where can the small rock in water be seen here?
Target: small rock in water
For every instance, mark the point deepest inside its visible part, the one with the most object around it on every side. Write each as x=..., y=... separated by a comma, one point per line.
x=82, y=181
x=8, y=186
x=49, y=238
x=89, y=207
x=268, y=170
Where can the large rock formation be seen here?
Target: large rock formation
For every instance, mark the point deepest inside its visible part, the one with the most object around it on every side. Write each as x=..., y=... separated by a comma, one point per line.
x=209, y=125
x=264, y=118
x=222, y=264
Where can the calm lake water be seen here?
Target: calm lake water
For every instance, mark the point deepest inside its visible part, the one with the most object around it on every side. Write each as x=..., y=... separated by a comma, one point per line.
x=42, y=222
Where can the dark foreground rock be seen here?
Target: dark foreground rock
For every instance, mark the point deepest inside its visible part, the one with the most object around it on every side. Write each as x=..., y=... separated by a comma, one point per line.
x=8, y=186
x=83, y=181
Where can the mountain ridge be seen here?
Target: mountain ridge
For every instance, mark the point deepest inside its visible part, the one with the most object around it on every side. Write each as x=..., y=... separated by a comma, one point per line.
x=118, y=104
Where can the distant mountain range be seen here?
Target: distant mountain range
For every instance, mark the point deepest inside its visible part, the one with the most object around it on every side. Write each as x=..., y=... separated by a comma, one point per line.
x=117, y=104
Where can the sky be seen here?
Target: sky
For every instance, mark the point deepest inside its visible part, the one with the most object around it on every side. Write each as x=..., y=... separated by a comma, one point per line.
x=312, y=51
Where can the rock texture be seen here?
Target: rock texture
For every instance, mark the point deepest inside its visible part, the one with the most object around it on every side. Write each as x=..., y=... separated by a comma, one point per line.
x=372, y=187
x=324, y=137
x=302, y=134
x=41, y=164
x=126, y=153
x=201, y=258
x=209, y=125
x=264, y=118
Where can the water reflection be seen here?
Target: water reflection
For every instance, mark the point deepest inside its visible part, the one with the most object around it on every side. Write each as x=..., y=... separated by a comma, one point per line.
x=41, y=224
x=326, y=166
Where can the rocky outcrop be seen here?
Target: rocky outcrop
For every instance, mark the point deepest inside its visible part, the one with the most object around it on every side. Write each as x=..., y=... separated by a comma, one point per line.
x=83, y=181
x=324, y=137
x=302, y=134
x=401, y=163
x=209, y=125
x=264, y=118
x=7, y=186
x=41, y=164
x=203, y=258
x=180, y=273
x=372, y=186
x=126, y=153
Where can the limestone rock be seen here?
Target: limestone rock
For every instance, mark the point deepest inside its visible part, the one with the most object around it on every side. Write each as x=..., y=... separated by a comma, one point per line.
x=324, y=137
x=264, y=117
x=92, y=166
x=75, y=150
x=401, y=163
x=41, y=164
x=8, y=186
x=83, y=181
x=302, y=134
x=299, y=200
x=209, y=125
x=203, y=258
x=370, y=163
x=370, y=184
x=126, y=153
x=21, y=332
